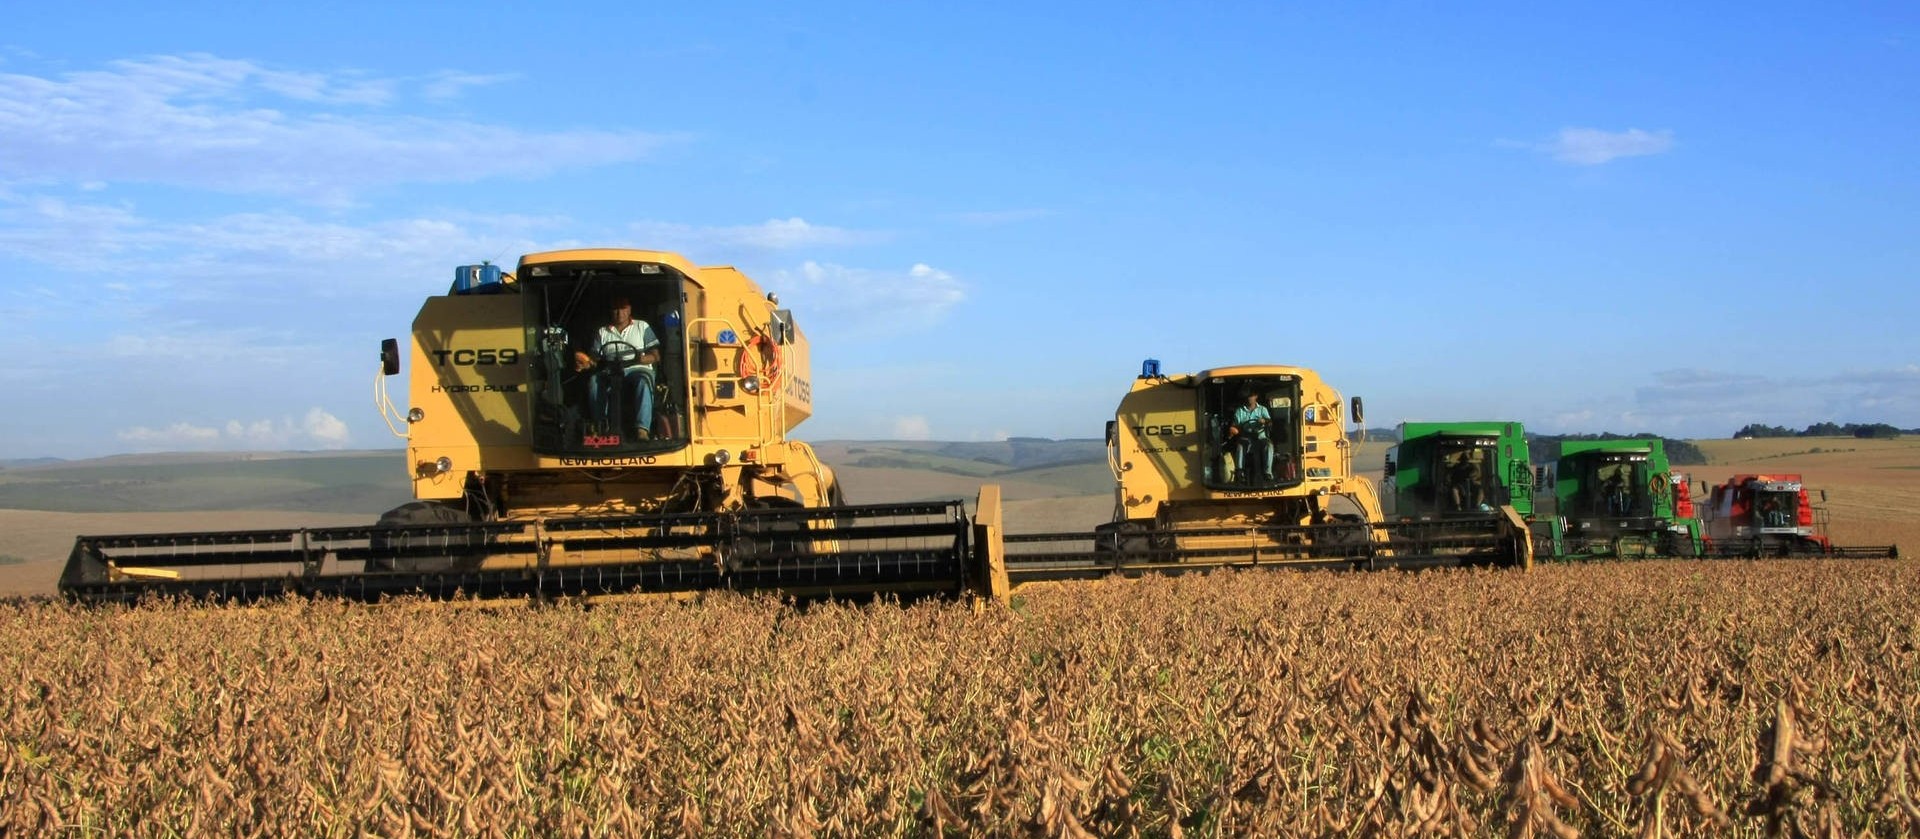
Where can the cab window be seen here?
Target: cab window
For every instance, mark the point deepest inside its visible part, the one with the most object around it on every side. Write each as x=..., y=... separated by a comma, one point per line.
x=1251, y=431
x=607, y=358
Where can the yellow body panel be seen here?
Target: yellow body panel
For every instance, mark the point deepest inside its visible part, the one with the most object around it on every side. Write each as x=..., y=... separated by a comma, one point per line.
x=474, y=384
x=1166, y=431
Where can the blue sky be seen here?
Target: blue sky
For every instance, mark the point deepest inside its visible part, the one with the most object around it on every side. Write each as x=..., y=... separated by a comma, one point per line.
x=1629, y=218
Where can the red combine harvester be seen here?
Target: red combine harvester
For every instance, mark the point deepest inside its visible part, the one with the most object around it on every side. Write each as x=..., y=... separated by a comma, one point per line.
x=1771, y=516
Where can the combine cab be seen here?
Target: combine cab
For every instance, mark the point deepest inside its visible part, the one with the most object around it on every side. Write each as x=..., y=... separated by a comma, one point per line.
x=1450, y=470
x=599, y=422
x=1243, y=467
x=1772, y=516
x=1619, y=498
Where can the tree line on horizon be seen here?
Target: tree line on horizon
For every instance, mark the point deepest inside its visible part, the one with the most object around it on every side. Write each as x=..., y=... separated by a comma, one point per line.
x=1679, y=452
x=1877, y=430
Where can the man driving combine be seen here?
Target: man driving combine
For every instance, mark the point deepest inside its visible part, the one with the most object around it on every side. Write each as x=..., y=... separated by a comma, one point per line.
x=1772, y=515
x=629, y=349
x=1613, y=494
x=1248, y=437
x=1463, y=484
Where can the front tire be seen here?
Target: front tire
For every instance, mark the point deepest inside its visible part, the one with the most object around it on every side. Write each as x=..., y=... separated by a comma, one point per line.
x=453, y=551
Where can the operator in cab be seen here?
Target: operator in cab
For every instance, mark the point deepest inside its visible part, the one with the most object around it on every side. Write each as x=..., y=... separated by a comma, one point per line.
x=1614, y=493
x=1252, y=452
x=1463, y=484
x=626, y=350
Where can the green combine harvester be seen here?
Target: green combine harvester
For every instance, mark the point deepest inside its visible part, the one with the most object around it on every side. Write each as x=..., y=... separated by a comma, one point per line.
x=1449, y=470
x=1608, y=498
x=1621, y=498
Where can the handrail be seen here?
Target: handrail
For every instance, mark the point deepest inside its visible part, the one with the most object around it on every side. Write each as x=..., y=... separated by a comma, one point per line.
x=771, y=417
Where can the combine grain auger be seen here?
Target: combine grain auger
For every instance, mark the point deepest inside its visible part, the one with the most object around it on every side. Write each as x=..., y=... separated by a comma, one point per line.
x=600, y=422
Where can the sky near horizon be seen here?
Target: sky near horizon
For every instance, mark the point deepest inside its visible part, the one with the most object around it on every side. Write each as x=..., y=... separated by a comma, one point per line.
x=1630, y=217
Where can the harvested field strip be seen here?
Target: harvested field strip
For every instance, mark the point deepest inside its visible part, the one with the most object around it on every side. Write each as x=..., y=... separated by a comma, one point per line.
x=1607, y=699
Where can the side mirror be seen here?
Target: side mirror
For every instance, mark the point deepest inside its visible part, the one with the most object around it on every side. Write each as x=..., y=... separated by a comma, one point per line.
x=389, y=356
x=1112, y=428
x=1823, y=496
x=1359, y=414
x=781, y=325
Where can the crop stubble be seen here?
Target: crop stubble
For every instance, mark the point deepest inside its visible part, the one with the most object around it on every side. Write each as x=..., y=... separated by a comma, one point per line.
x=1667, y=698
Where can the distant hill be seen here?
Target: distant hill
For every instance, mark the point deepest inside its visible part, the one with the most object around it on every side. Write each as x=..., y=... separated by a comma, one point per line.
x=371, y=482
x=28, y=462
x=1024, y=467
x=964, y=458
x=359, y=482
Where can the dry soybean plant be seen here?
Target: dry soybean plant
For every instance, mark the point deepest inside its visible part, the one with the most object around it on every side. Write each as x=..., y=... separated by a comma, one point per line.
x=1645, y=699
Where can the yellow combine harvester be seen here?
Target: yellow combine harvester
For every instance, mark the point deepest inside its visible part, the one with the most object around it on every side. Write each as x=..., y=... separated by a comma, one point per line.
x=1241, y=467
x=599, y=422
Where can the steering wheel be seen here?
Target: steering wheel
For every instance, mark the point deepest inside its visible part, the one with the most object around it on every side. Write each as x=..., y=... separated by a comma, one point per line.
x=610, y=349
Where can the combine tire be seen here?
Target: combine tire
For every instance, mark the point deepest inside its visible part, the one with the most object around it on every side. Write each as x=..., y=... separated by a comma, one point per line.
x=455, y=555
x=1346, y=536
x=1134, y=541
x=774, y=536
x=1543, y=546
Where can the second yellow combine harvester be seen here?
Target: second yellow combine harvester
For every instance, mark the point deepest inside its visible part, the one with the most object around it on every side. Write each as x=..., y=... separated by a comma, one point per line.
x=1247, y=466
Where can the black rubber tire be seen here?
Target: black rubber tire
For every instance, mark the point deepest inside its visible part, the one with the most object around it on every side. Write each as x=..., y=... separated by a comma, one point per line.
x=1135, y=541
x=420, y=512
x=1345, y=534
x=760, y=537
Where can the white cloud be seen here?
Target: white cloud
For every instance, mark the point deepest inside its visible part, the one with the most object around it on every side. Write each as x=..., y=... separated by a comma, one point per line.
x=203, y=121
x=1710, y=403
x=448, y=84
x=869, y=300
x=56, y=232
x=325, y=429
x=258, y=433
x=770, y=235
x=115, y=244
x=1592, y=146
x=179, y=434
x=318, y=429
x=912, y=428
